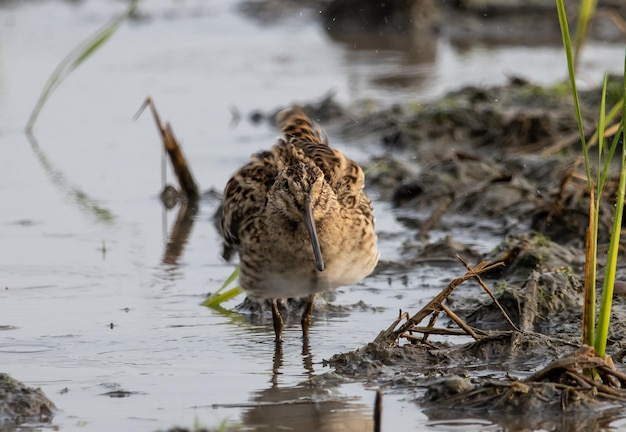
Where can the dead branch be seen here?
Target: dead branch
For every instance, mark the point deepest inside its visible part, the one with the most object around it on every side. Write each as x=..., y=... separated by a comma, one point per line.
x=488, y=291
x=170, y=143
x=390, y=336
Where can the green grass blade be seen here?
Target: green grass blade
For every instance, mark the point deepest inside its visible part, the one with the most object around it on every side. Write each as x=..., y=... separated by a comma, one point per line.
x=219, y=297
x=602, y=330
x=615, y=110
x=589, y=311
x=216, y=299
x=234, y=275
x=587, y=9
x=567, y=44
x=601, y=149
x=589, y=289
x=609, y=158
x=591, y=239
x=74, y=59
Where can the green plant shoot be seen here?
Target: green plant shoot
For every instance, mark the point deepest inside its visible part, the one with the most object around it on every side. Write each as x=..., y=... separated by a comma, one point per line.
x=602, y=329
x=589, y=308
x=220, y=296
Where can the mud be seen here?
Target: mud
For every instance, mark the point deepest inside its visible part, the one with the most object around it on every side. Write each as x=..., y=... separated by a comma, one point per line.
x=20, y=404
x=536, y=372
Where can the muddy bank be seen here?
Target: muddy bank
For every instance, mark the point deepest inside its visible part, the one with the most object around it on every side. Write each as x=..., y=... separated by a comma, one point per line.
x=22, y=404
x=525, y=365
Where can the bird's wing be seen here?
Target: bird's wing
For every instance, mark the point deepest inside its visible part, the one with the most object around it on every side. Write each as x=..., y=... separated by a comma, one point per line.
x=244, y=198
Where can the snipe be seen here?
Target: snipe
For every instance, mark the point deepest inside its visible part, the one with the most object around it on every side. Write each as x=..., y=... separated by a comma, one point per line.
x=299, y=219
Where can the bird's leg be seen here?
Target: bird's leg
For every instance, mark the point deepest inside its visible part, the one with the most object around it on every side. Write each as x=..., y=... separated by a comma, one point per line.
x=278, y=321
x=306, y=316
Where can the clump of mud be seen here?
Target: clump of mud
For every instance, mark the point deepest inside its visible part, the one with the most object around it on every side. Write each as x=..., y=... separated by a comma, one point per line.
x=20, y=404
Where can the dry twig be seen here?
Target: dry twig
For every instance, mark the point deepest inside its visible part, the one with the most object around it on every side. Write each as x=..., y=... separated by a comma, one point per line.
x=434, y=307
x=181, y=169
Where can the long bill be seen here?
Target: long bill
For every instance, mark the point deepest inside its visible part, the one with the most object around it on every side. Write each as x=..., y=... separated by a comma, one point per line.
x=309, y=223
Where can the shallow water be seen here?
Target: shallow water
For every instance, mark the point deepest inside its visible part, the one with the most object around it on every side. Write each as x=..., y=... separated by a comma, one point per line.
x=94, y=303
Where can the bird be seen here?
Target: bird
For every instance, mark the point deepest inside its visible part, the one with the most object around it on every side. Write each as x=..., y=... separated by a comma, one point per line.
x=299, y=219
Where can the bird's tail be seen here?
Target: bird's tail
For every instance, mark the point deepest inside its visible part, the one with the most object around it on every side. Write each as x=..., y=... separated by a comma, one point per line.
x=295, y=124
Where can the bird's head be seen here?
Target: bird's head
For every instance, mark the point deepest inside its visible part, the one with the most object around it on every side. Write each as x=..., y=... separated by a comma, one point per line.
x=300, y=194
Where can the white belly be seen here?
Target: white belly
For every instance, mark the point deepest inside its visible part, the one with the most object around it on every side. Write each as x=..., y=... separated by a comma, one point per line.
x=292, y=283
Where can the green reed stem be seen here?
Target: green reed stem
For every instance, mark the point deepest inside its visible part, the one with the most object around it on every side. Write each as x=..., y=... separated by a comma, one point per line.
x=602, y=330
x=587, y=9
x=589, y=311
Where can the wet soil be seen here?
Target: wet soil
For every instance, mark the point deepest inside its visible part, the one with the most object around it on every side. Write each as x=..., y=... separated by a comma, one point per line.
x=20, y=404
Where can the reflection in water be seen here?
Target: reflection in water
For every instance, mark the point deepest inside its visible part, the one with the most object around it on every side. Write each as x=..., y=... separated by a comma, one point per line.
x=307, y=357
x=177, y=239
x=307, y=360
x=592, y=420
x=315, y=404
x=277, y=363
x=181, y=231
x=84, y=202
x=306, y=408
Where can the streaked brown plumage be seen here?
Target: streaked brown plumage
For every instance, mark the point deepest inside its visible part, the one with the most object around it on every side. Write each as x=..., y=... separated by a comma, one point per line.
x=299, y=219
